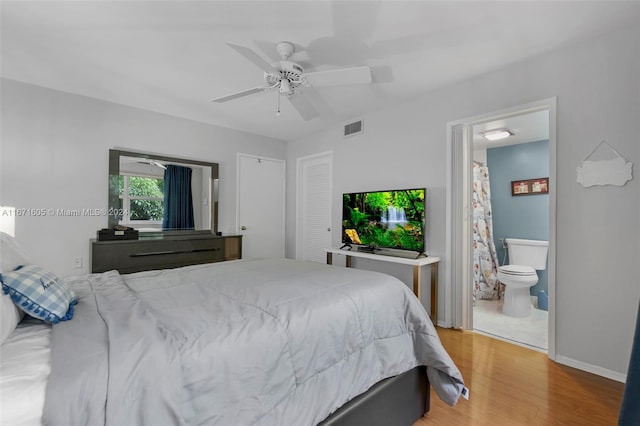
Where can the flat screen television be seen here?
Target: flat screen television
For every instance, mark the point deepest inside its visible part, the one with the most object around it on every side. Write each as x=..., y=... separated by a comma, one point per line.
x=385, y=219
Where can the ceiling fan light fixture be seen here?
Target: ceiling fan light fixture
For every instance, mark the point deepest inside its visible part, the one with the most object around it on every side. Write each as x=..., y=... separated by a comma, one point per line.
x=497, y=134
x=285, y=87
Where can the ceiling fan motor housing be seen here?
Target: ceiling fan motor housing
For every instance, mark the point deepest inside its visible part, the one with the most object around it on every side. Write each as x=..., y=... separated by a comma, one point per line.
x=291, y=67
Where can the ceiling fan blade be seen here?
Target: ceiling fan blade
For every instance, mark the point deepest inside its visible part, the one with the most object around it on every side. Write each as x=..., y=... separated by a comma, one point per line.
x=303, y=106
x=253, y=57
x=240, y=94
x=358, y=75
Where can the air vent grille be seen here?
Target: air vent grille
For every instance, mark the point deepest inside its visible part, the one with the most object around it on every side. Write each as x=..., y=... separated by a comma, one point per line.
x=353, y=128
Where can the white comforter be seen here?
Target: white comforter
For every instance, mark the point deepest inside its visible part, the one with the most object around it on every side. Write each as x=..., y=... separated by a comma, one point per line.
x=264, y=342
x=23, y=373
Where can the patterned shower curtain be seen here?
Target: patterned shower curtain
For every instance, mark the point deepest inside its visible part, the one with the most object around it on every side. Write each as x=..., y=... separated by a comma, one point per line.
x=485, y=258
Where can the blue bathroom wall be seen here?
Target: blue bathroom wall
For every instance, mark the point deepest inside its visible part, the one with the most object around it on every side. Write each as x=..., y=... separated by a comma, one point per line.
x=524, y=216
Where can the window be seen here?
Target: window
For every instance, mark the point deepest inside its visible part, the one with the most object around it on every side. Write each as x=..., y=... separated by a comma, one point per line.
x=141, y=199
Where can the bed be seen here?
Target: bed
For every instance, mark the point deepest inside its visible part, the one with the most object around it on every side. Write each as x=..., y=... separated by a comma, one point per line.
x=245, y=342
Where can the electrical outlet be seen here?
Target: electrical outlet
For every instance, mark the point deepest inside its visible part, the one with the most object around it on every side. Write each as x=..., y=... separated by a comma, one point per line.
x=77, y=262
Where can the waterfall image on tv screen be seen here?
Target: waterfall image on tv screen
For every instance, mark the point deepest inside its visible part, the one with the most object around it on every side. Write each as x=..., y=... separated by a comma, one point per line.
x=385, y=219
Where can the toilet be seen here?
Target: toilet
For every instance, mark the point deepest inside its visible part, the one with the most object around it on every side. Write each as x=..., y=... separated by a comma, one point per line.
x=525, y=256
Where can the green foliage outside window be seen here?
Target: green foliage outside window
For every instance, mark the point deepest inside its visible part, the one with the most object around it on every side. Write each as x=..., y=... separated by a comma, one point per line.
x=145, y=187
x=146, y=210
x=146, y=197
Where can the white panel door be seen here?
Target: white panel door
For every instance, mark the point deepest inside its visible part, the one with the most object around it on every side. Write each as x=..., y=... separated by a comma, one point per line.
x=261, y=206
x=314, y=207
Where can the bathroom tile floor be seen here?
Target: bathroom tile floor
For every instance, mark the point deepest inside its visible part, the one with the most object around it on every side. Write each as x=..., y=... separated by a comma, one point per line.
x=530, y=332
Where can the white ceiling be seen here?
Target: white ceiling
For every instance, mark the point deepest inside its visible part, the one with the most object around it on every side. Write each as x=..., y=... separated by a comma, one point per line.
x=171, y=56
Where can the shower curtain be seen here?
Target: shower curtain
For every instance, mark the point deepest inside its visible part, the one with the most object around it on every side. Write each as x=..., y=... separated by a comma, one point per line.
x=485, y=258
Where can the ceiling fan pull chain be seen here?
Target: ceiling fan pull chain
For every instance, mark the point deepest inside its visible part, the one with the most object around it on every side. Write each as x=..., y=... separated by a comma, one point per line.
x=278, y=111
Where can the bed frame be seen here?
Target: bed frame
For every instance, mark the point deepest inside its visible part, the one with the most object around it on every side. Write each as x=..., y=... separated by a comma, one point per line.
x=398, y=401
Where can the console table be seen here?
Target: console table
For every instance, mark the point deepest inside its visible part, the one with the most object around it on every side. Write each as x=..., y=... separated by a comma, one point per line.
x=417, y=271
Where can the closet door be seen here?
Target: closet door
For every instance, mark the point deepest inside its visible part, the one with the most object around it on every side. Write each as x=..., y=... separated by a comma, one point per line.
x=261, y=206
x=314, y=207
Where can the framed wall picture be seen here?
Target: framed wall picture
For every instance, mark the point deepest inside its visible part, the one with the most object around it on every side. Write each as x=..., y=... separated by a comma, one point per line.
x=530, y=186
x=539, y=186
x=520, y=187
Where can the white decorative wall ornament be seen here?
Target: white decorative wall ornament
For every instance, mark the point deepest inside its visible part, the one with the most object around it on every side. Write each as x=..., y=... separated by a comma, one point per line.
x=616, y=171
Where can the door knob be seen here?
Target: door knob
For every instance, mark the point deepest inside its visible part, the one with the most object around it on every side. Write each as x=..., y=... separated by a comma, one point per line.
x=328, y=229
x=243, y=228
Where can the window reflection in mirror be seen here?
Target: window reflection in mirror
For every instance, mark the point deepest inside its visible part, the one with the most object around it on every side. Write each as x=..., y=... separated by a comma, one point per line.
x=137, y=192
x=141, y=199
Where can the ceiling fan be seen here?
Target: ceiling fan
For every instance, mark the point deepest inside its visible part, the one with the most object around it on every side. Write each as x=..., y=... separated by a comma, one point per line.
x=152, y=162
x=288, y=77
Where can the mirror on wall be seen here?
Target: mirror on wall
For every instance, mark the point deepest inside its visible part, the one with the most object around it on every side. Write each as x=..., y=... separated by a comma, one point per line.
x=158, y=193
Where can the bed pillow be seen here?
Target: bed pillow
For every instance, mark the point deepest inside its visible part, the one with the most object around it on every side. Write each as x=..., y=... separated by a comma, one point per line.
x=10, y=316
x=39, y=293
x=11, y=256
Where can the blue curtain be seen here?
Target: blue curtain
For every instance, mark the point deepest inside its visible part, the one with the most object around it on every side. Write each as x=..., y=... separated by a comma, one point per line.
x=178, y=201
x=630, y=409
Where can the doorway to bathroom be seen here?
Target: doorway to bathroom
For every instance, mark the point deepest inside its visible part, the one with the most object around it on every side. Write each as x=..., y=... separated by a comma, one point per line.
x=488, y=207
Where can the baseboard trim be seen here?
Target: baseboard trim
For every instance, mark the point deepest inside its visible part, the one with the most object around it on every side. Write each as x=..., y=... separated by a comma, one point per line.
x=589, y=368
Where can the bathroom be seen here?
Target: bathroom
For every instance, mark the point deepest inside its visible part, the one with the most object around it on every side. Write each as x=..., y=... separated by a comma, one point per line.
x=511, y=201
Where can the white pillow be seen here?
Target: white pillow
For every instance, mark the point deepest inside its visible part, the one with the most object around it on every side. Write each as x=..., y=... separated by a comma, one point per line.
x=10, y=316
x=11, y=256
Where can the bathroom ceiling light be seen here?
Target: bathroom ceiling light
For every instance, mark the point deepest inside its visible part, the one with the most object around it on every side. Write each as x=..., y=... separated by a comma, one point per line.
x=496, y=134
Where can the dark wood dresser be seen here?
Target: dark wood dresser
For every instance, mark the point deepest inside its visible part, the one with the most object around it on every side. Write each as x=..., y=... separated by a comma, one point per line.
x=163, y=252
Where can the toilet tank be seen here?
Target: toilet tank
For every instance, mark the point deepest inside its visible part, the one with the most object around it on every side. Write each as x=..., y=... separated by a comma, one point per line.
x=528, y=252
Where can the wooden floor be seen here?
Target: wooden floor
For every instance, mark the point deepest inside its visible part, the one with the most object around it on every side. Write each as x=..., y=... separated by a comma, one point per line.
x=511, y=385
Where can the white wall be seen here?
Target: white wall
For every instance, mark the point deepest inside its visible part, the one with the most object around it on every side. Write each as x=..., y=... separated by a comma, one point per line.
x=598, y=97
x=55, y=154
